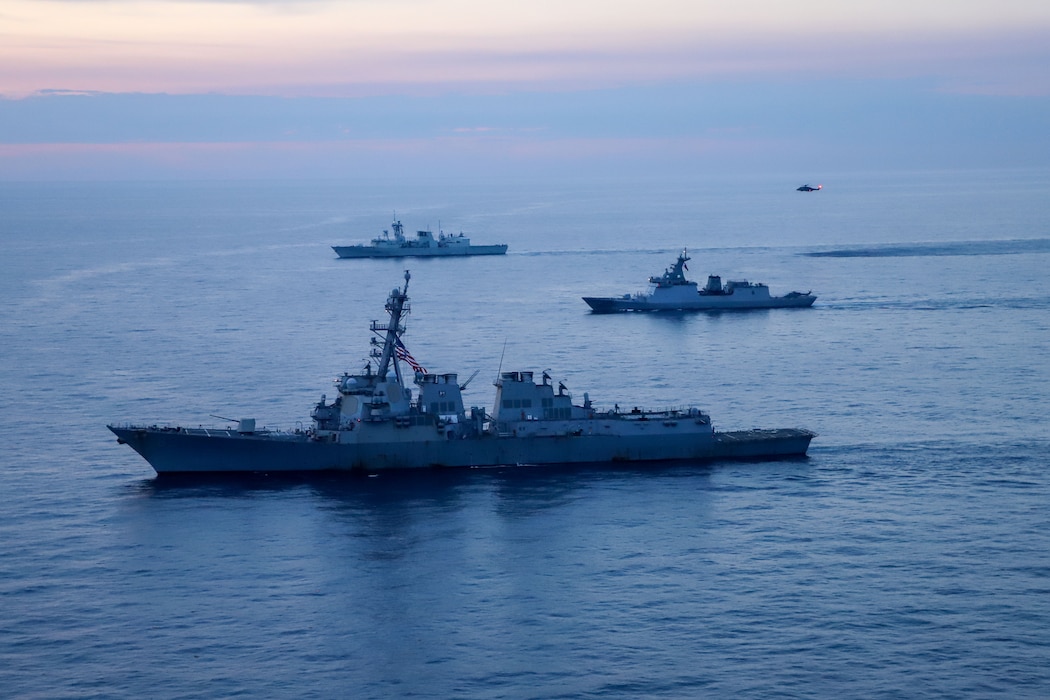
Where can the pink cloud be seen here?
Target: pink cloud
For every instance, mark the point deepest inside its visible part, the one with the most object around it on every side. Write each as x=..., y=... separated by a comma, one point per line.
x=1016, y=57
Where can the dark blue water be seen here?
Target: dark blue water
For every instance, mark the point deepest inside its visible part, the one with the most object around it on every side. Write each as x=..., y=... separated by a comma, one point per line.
x=908, y=556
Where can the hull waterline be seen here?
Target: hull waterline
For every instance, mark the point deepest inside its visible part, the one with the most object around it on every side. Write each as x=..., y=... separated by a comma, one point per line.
x=199, y=450
x=371, y=252
x=606, y=305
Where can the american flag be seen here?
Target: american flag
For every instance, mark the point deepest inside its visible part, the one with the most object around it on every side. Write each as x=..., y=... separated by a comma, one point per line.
x=406, y=356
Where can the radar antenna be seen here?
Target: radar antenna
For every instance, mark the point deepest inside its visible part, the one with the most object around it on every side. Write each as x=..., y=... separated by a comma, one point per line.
x=397, y=307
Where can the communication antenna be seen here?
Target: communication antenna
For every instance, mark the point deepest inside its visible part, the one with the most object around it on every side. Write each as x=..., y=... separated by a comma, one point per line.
x=496, y=383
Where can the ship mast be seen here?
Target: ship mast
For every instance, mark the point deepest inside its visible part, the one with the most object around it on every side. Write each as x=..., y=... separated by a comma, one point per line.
x=397, y=306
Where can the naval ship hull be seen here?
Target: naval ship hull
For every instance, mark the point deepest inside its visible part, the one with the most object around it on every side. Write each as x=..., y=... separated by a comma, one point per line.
x=605, y=305
x=360, y=251
x=201, y=450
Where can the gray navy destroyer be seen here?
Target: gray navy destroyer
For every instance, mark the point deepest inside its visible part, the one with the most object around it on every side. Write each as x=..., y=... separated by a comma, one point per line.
x=378, y=422
x=423, y=245
x=671, y=291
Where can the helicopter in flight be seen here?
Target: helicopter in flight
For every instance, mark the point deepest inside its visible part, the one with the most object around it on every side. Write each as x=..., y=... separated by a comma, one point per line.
x=807, y=188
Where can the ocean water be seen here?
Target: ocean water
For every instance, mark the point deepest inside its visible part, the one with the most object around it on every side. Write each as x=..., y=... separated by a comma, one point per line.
x=907, y=556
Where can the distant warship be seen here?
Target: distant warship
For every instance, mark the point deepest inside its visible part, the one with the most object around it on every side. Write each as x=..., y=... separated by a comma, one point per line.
x=377, y=422
x=671, y=291
x=423, y=245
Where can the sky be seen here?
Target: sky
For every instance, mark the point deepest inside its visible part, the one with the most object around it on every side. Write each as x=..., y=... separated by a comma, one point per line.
x=117, y=89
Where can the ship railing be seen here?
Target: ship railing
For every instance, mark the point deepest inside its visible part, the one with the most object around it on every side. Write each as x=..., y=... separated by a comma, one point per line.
x=213, y=430
x=383, y=327
x=638, y=411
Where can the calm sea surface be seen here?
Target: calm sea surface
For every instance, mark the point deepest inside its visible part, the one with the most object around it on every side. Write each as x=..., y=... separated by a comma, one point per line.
x=908, y=556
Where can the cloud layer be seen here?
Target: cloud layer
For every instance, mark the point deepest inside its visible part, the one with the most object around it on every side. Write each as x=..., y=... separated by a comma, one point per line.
x=369, y=47
x=335, y=87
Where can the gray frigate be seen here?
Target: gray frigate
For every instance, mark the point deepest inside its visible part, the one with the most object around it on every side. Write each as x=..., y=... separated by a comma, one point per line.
x=378, y=422
x=424, y=245
x=671, y=291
